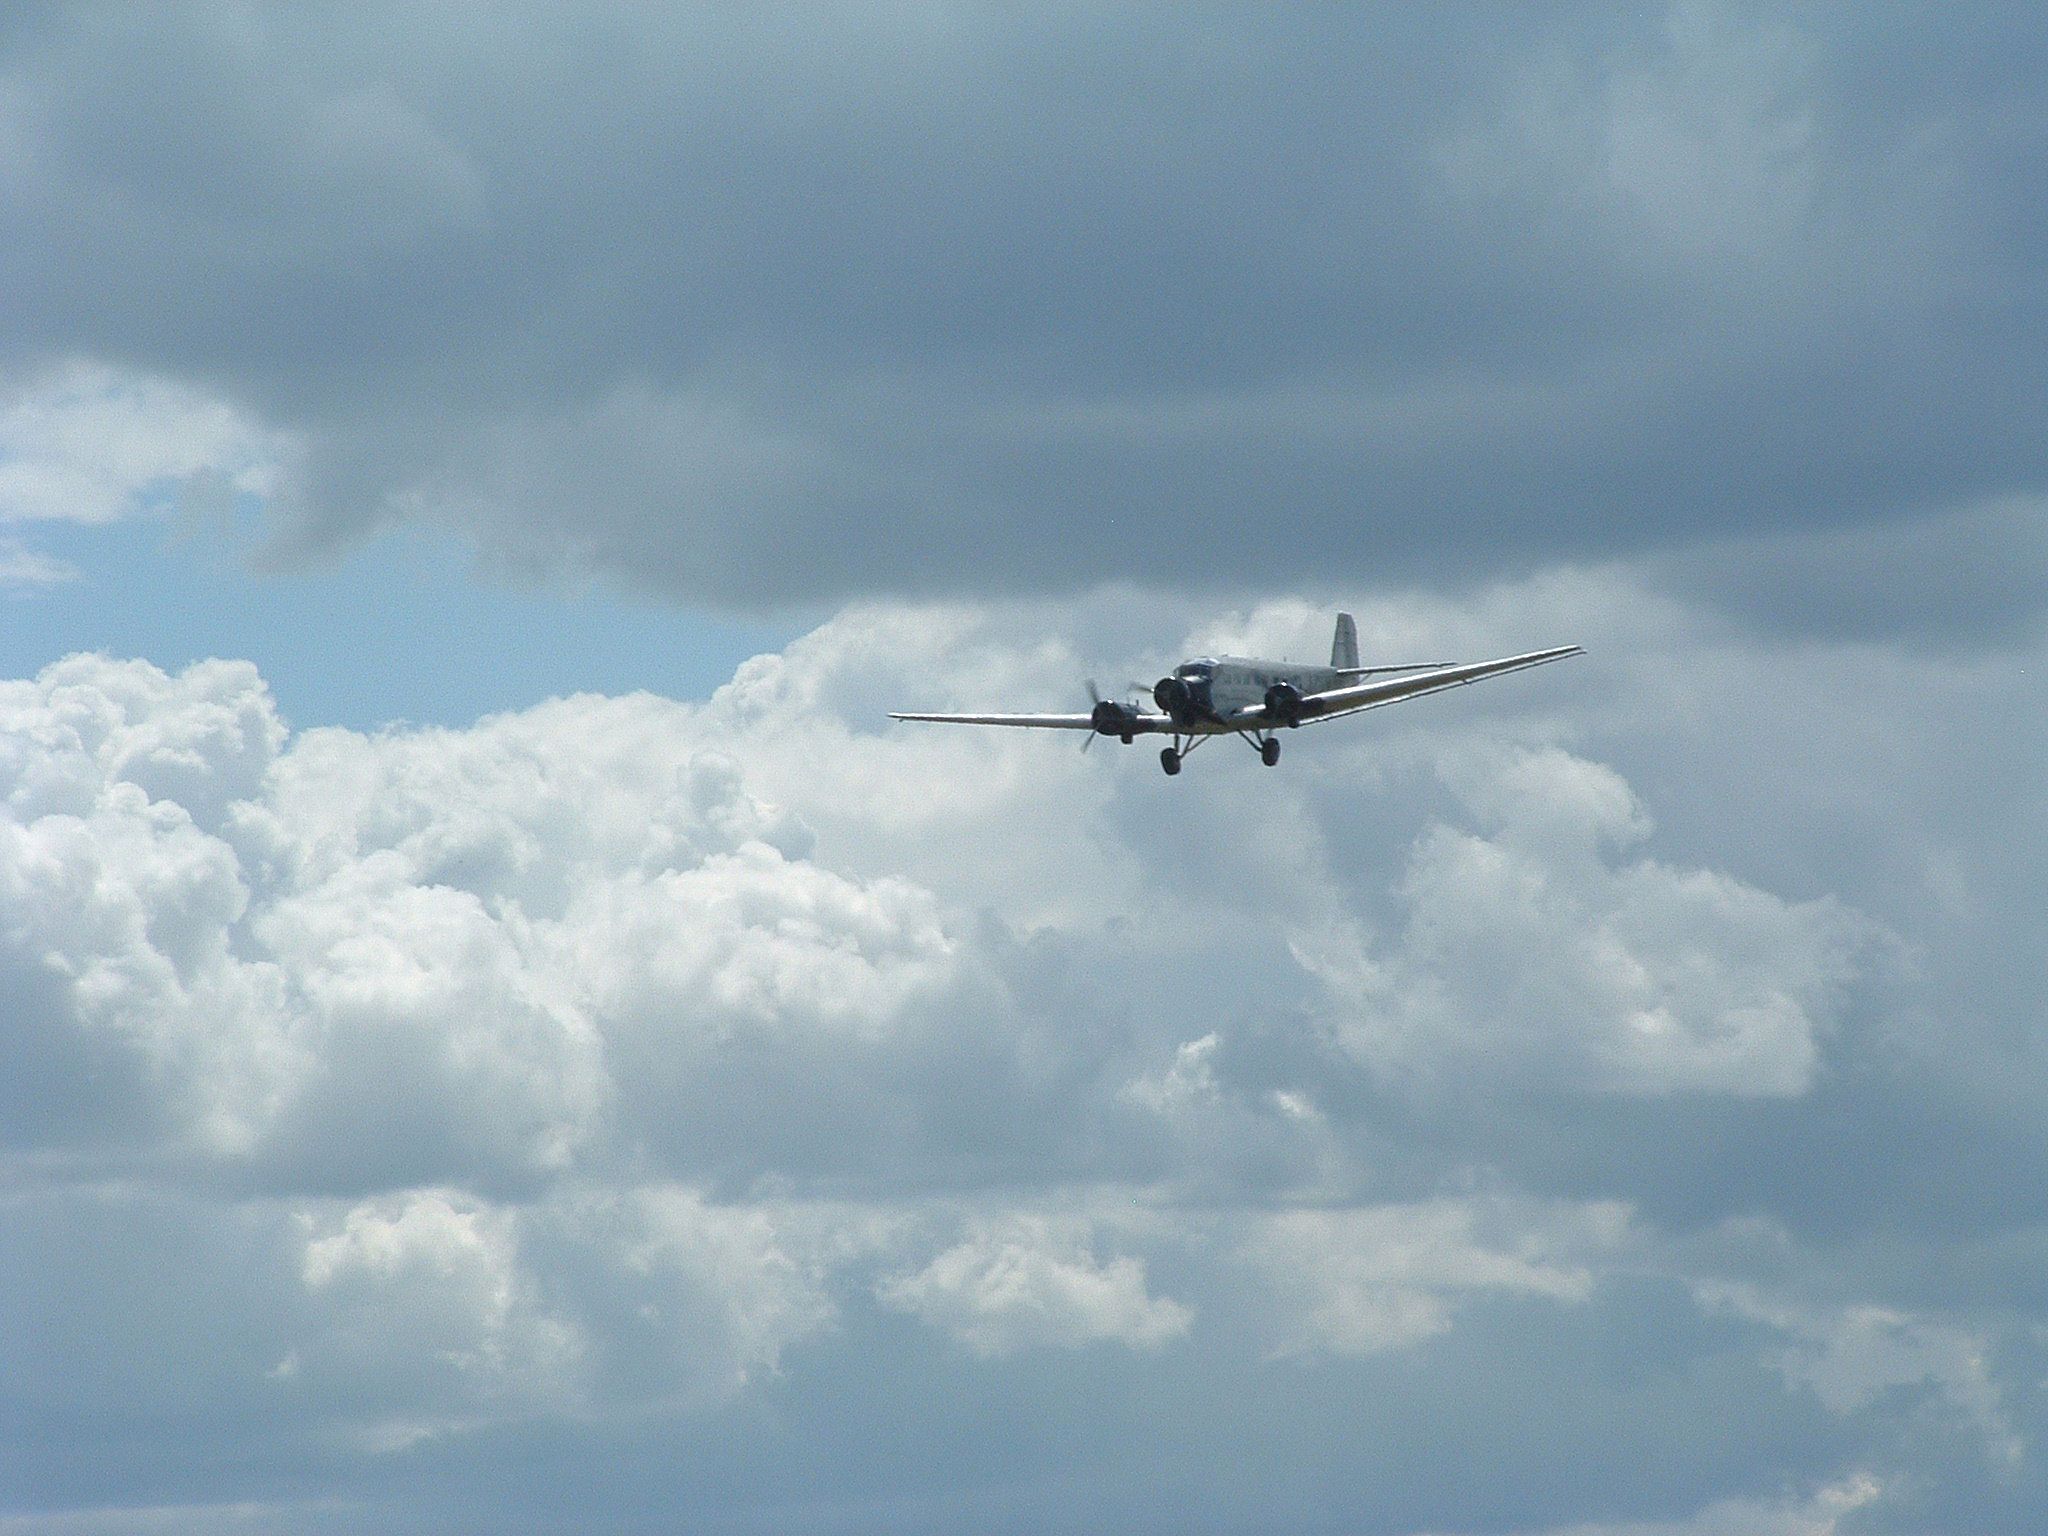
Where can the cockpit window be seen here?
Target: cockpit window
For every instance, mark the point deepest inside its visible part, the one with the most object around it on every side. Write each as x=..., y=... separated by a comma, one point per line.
x=1197, y=671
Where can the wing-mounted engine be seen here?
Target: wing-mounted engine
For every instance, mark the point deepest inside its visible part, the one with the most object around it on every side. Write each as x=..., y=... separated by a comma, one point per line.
x=1283, y=704
x=1109, y=718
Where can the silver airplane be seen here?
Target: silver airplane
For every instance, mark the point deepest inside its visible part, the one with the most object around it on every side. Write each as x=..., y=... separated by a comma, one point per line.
x=1243, y=696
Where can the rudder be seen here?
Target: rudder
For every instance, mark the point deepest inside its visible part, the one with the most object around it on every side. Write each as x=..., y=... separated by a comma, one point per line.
x=1344, y=648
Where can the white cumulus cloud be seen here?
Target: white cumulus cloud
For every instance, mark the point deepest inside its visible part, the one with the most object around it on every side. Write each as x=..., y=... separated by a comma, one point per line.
x=1364, y=1280
x=1536, y=949
x=1033, y=1281
x=89, y=443
x=621, y=1058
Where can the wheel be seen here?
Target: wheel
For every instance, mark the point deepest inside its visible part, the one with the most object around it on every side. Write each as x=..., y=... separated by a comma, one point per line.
x=1269, y=752
x=1169, y=760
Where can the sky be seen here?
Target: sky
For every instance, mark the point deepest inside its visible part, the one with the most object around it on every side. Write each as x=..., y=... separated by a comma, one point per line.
x=499, y=1032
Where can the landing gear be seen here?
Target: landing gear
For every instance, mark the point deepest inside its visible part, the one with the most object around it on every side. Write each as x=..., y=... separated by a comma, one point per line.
x=1170, y=758
x=1265, y=743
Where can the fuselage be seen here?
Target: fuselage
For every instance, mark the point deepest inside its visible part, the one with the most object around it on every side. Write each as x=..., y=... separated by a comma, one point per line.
x=1256, y=699
x=1219, y=686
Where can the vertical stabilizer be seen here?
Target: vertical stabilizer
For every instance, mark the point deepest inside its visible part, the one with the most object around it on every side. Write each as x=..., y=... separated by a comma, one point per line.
x=1344, y=648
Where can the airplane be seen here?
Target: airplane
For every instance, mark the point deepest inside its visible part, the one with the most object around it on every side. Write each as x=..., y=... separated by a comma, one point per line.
x=1244, y=696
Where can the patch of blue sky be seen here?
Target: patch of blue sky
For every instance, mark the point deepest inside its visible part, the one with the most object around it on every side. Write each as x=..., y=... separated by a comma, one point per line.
x=401, y=628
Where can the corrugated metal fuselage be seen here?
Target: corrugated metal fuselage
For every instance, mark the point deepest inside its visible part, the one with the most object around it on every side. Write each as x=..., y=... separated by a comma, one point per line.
x=1220, y=686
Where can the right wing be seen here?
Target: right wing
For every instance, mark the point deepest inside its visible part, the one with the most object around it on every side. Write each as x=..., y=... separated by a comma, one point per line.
x=1347, y=701
x=1335, y=702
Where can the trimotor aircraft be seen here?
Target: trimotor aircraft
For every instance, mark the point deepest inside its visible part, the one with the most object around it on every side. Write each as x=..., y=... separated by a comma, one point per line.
x=1245, y=696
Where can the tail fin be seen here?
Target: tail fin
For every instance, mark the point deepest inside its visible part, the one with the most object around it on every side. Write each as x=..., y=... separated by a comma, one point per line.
x=1344, y=648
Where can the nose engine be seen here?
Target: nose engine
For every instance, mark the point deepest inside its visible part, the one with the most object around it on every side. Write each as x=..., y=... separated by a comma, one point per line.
x=1173, y=696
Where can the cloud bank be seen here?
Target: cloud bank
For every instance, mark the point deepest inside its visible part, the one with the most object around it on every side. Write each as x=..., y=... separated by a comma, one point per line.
x=622, y=1066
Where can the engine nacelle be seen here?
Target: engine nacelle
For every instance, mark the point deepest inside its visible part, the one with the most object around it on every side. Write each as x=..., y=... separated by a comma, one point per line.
x=1110, y=718
x=1171, y=695
x=1283, y=703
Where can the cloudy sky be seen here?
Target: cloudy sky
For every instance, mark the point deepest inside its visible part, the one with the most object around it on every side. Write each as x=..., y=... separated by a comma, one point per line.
x=498, y=1032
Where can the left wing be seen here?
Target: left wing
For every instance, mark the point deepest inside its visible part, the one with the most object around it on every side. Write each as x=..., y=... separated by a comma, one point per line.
x=1139, y=724
x=1047, y=722
x=1349, y=701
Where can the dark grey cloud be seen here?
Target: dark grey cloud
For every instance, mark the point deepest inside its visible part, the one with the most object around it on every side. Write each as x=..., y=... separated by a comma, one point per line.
x=1973, y=577
x=755, y=308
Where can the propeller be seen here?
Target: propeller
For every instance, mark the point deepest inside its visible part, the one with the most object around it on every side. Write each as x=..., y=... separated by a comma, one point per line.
x=1110, y=717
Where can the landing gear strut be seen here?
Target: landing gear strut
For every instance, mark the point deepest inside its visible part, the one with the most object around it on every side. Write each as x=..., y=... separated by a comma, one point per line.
x=1170, y=758
x=1267, y=745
